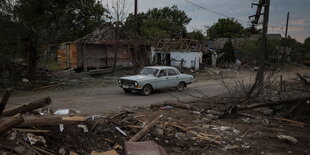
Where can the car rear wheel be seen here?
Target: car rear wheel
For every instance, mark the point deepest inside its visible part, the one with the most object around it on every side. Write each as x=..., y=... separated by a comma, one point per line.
x=127, y=90
x=181, y=86
x=146, y=90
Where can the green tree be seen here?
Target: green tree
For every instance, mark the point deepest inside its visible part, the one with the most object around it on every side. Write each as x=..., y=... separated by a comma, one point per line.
x=35, y=23
x=226, y=28
x=229, y=53
x=299, y=51
x=57, y=21
x=196, y=35
x=160, y=23
x=251, y=49
x=306, y=44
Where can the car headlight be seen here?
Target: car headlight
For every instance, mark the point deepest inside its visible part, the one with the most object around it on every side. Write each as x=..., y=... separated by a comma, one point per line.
x=136, y=83
x=119, y=81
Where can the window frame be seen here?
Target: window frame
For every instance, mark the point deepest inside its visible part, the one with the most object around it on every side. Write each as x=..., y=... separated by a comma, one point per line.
x=176, y=73
x=162, y=70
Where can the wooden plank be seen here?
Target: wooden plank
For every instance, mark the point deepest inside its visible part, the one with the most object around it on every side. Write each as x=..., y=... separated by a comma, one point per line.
x=47, y=120
x=27, y=107
x=10, y=122
x=30, y=130
x=145, y=130
x=5, y=100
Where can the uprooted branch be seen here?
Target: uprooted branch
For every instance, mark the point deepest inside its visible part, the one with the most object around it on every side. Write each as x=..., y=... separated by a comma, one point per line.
x=303, y=79
x=281, y=102
x=238, y=88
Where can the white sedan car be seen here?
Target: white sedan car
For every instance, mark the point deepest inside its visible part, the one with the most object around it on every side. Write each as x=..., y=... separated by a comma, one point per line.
x=155, y=77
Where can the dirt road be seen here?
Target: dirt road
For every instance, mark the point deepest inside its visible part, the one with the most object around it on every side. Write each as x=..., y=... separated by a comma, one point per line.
x=111, y=99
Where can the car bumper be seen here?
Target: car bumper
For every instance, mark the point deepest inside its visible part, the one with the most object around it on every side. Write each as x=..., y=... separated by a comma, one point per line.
x=131, y=87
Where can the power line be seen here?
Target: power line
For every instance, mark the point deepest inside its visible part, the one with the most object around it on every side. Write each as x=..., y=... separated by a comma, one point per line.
x=221, y=14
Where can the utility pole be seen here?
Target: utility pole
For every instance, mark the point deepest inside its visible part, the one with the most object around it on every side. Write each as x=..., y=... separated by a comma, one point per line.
x=285, y=39
x=259, y=83
x=287, y=19
x=135, y=52
x=136, y=8
x=260, y=73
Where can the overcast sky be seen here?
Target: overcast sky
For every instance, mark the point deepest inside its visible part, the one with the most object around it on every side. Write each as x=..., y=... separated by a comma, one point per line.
x=299, y=24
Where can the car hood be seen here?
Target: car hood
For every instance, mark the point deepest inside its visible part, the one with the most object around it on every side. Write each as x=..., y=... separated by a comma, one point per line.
x=137, y=77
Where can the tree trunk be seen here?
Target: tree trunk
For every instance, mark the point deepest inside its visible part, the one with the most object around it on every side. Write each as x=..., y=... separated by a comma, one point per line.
x=32, y=60
x=115, y=48
x=260, y=73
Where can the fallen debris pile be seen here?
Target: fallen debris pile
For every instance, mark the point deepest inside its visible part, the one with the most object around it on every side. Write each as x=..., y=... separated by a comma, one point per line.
x=171, y=128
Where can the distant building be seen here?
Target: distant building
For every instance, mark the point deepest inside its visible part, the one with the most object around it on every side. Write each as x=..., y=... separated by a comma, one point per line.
x=97, y=50
x=181, y=53
x=218, y=43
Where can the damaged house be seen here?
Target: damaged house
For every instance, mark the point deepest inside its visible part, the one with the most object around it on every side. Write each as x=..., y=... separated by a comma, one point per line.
x=181, y=53
x=107, y=45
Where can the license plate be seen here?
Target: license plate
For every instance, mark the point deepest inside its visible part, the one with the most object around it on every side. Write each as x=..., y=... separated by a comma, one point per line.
x=125, y=86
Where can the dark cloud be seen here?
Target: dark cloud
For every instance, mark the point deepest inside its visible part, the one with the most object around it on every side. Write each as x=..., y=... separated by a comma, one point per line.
x=241, y=9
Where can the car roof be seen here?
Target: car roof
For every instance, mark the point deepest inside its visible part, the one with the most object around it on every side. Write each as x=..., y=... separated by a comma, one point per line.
x=161, y=67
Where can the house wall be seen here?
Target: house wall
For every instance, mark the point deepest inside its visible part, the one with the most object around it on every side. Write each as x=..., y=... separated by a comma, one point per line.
x=191, y=59
x=98, y=56
x=77, y=55
x=188, y=59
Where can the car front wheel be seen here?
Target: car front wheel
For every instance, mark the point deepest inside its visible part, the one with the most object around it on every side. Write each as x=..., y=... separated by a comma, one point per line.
x=181, y=86
x=146, y=90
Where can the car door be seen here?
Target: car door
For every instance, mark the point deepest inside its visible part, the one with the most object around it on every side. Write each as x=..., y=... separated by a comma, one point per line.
x=162, y=79
x=173, y=78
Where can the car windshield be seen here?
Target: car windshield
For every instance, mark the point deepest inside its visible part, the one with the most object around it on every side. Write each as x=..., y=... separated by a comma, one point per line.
x=149, y=71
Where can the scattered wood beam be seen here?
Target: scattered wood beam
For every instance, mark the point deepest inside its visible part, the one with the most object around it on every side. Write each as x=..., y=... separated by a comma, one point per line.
x=281, y=102
x=30, y=130
x=5, y=100
x=27, y=107
x=47, y=120
x=145, y=130
x=10, y=122
x=177, y=105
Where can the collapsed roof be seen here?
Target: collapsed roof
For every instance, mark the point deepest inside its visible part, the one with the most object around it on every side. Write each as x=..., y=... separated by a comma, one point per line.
x=112, y=33
x=179, y=45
